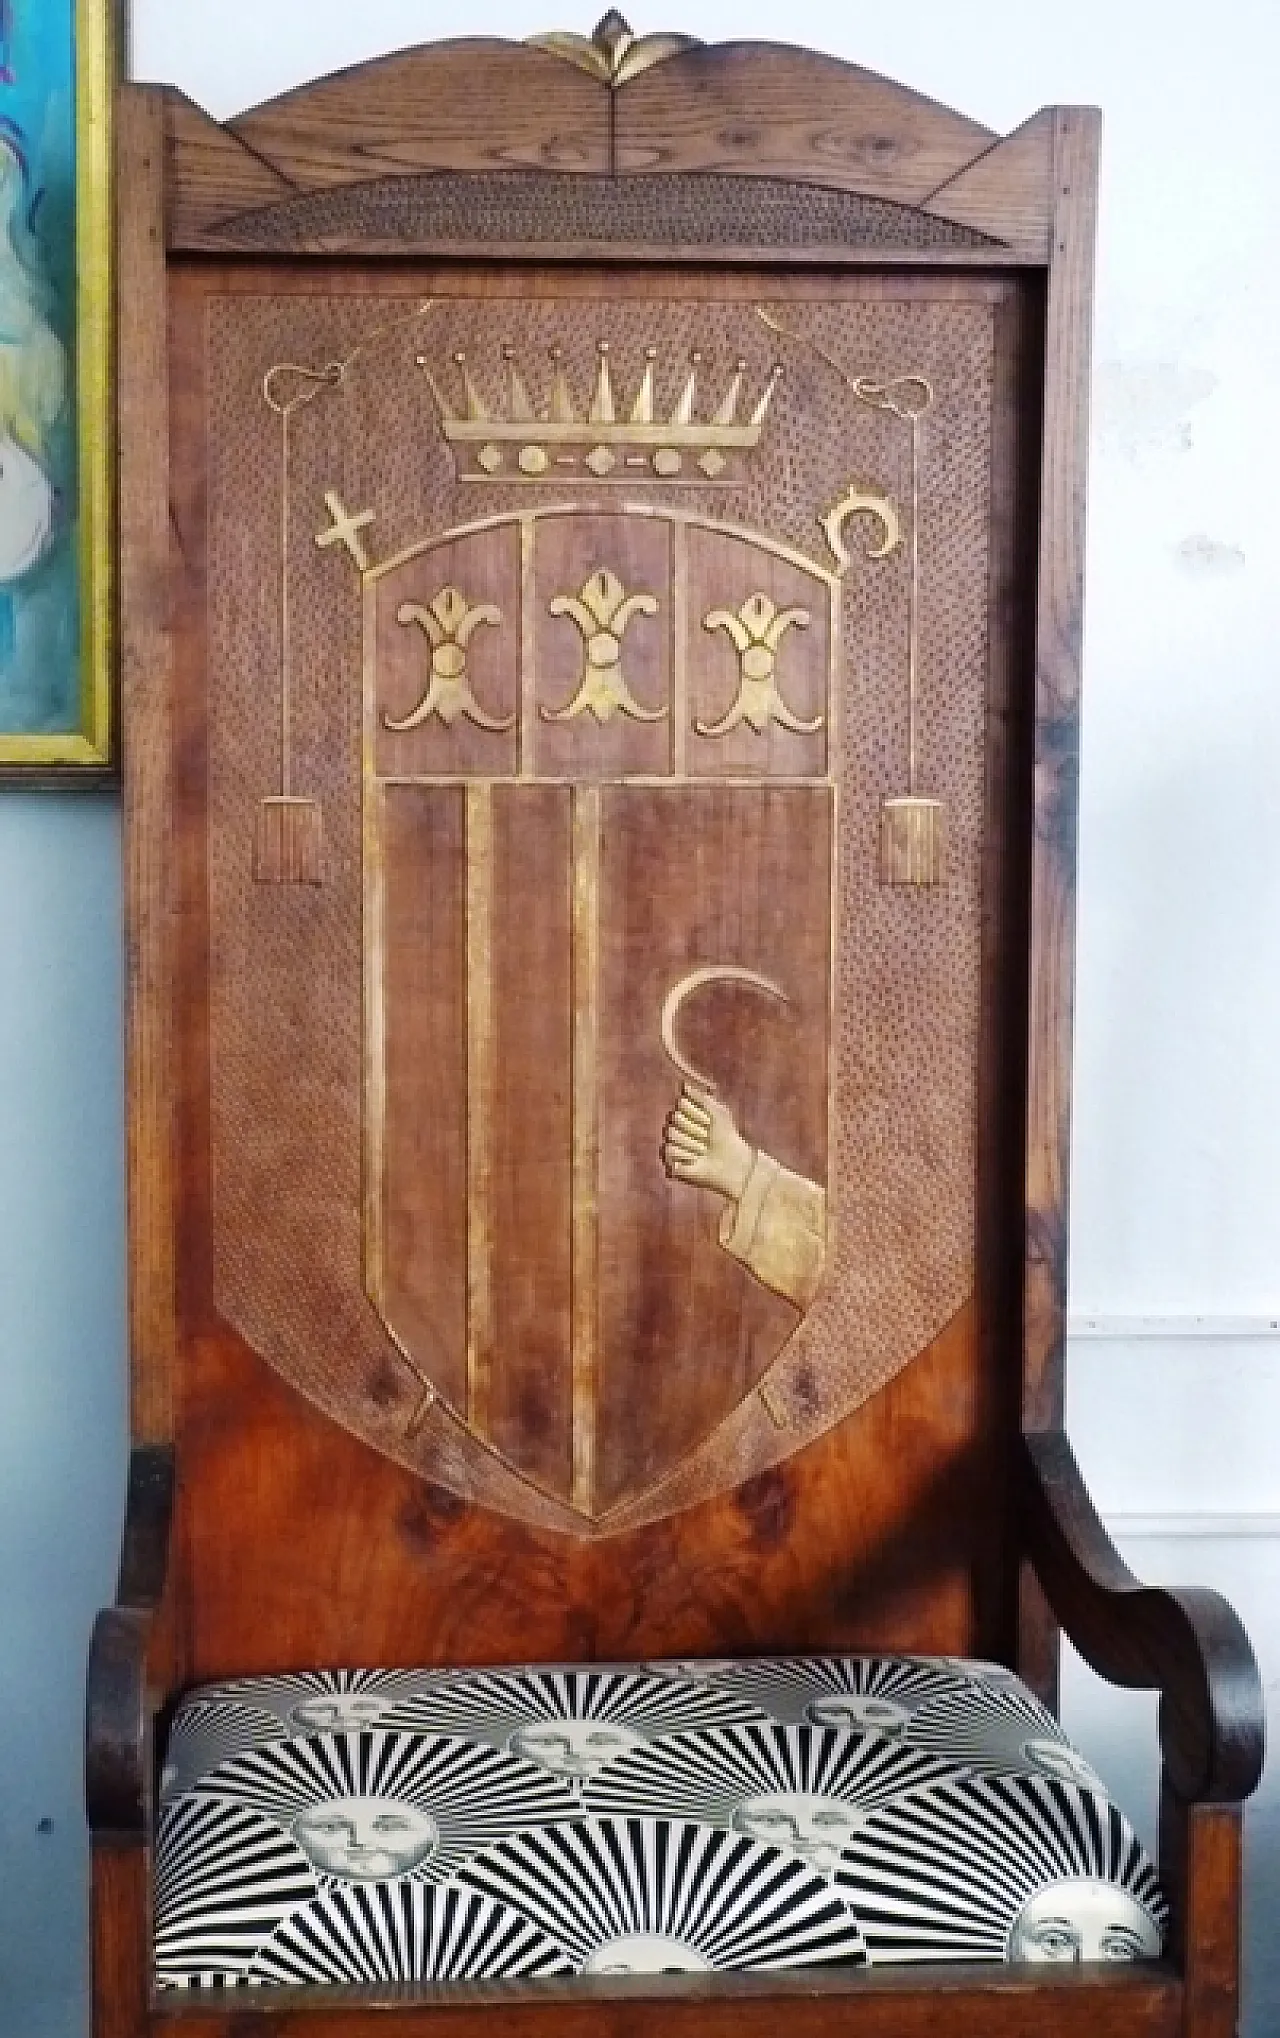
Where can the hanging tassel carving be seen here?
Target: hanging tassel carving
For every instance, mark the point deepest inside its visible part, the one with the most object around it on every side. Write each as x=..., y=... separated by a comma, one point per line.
x=288, y=846
x=912, y=825
x=913, y=841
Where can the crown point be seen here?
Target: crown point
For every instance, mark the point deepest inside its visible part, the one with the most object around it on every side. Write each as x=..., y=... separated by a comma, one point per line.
x=651, y=353
x=459, y=356
x=602, y=346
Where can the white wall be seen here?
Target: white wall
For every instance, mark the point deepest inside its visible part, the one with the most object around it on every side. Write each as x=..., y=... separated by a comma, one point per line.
x=1177, y=1209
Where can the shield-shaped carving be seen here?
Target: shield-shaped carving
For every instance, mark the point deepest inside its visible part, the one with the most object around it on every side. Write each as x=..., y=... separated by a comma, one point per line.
x=599, y=871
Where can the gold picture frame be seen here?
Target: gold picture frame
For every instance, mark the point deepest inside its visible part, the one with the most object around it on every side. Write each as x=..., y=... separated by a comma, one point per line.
x=76, y=733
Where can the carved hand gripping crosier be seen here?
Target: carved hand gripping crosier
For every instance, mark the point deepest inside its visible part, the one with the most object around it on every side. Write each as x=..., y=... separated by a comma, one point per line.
x=774, y=1222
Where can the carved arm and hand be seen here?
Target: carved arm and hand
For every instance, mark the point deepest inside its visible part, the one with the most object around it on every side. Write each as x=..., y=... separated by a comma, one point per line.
x=1188, y=1645
x=121, y=1698
x=774, y=1221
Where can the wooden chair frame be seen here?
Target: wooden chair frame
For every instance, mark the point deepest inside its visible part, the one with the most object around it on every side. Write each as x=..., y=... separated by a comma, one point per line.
x=186, y=186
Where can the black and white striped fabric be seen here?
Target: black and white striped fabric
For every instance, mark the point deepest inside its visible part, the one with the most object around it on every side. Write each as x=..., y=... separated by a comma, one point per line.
x=370, y=1826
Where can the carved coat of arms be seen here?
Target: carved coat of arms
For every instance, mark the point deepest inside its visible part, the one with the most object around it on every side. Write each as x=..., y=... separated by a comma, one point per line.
x=599, y=849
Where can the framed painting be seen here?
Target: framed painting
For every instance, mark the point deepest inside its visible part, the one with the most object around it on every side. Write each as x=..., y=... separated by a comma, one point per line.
x=57, y=78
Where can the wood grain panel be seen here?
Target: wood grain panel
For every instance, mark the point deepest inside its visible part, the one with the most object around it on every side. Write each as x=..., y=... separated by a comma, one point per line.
x=1030, y=1631
x=145, y=680
x=530, y=1399
x=1080, y=2003
x=120, y=1940
x=422, y=1192
x=697, y=877
x=1059, y=635
x=1201, y=1863
x=470, y=105
x=1007, y=191
x=212, y=175
x=760, y=109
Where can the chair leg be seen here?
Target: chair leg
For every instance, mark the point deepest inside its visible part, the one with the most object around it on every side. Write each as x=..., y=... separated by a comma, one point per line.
x=1200, y=1850
x=121, y=1941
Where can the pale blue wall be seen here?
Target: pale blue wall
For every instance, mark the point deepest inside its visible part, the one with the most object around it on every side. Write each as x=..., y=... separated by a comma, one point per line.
x=62, y=1396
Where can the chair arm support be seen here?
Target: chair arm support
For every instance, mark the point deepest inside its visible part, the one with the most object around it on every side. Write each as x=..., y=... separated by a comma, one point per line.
x=118, y=1749
x=1188, y=1645
x=118, y=1740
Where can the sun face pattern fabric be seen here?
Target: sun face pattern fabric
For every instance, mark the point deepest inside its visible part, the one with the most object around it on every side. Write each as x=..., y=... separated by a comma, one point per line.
x=369, y=1826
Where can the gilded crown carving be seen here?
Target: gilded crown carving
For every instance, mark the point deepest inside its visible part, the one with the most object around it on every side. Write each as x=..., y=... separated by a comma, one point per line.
x=601, y=434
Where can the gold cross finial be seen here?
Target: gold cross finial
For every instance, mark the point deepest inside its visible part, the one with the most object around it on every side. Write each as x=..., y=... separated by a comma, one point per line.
x=345, y=529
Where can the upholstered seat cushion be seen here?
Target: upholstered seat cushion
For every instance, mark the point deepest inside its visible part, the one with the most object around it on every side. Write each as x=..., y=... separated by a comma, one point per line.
x=367, y=1826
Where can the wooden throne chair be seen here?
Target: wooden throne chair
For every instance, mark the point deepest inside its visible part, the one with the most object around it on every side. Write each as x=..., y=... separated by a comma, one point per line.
x=601, y=533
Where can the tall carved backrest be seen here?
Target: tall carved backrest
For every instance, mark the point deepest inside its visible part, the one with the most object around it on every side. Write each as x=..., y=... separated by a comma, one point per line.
x=602, y=720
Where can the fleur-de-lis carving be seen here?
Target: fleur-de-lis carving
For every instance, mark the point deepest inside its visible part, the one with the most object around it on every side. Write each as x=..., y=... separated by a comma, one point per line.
x=602, y=609
x=756, y=632
x=449, y=623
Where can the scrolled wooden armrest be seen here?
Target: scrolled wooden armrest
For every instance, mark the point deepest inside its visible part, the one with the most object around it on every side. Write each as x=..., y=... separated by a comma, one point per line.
x=1188, y=1645
x=120, y=1698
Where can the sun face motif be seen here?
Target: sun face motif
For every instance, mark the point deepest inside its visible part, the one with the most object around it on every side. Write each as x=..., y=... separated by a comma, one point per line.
x=366, y=1839
x=1055, y=1758
x=574, y=1748
x=1083, y=1920
x=816, y=1828
x=645, y=1953
x=860, y=1713
x=338, y=1712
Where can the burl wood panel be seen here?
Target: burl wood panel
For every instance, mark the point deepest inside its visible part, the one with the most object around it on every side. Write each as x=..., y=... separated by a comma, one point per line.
x=879, y=1535
x=289, y=1043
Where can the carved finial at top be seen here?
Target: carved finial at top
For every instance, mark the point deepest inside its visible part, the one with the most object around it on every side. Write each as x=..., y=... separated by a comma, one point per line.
x=612, y=34
x=612, y=53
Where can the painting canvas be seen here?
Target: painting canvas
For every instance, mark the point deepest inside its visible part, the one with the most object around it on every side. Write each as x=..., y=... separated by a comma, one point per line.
x=55, y=91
